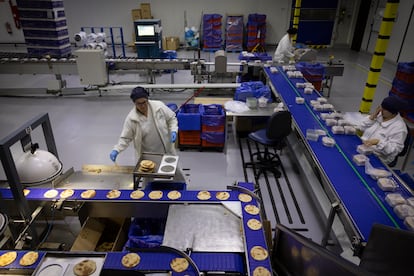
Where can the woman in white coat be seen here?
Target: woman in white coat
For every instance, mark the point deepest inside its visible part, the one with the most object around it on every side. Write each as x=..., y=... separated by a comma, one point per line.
x=150, y=125
x=385, y=130
x=285, y=51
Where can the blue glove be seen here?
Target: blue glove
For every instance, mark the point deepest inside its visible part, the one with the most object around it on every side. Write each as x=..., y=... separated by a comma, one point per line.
x=113, y=155
x=173, y=136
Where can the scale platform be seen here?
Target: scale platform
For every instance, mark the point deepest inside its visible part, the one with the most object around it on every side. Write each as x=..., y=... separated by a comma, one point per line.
x=165, y=167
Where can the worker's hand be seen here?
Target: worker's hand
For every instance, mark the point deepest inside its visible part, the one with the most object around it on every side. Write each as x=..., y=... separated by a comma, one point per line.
x=173, y=136
x=375, y=114
x=113, y=155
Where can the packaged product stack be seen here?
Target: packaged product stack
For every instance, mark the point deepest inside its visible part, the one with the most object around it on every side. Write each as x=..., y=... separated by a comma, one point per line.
x=213, y=120
x=212, y=34
x=44, y=28
x=234, y=33
x=256, y=31
x=189, y=126
x=403, y=88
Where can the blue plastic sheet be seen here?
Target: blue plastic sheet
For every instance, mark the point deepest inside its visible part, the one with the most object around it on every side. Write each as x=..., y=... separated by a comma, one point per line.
x=254, y=89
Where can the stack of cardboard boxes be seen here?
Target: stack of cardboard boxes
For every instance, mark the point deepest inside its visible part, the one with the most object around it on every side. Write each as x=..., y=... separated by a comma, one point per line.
x=144, y=12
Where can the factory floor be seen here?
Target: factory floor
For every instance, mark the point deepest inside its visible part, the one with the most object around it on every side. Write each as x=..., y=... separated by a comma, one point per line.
x=87, y=126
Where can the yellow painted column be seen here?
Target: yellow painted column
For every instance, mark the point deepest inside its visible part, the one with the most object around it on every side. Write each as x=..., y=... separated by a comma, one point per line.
x=379, y=54
x=296, y=15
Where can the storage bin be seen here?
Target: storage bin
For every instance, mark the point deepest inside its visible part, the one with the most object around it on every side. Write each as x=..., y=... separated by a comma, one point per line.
x=189, y=137
x=212, y=115
x=189, y=117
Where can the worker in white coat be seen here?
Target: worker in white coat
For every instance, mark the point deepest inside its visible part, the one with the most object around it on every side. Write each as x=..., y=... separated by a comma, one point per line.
x=385, y=130
x=150, y=125
x=285, y=51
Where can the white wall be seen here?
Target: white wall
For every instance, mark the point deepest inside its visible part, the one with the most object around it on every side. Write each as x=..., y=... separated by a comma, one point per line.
x=171, y=12
x=401, y=25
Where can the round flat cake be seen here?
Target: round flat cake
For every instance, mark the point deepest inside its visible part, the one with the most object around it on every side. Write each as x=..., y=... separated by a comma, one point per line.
x=137, y=194
x=222, y=195
x=29, y=258
x=67, y=193
x=261, y=271
x=203, y=195
x=254, y=224
x=245, y=197
x=146, y=166
x=84, y=268
x=174, y=195
x=113, y=194
x=51, y=193
x=130, y=260
x=179, y=264
x=7, y=258
x=251, y=209
x=259, y=253
x=155, y=195
x=88, y=194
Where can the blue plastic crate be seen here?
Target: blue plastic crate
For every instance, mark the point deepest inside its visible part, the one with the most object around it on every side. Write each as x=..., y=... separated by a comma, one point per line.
x=189, y=117
x=212, y=115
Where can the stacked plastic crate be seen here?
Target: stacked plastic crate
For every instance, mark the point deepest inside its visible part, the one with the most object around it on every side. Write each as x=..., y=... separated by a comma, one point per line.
x=189, y=126
x=313, y=73
x=234, y=33
x=44, y=27
x=212, y=34
x=403, y=88
x=213, y=120
x=256, y=31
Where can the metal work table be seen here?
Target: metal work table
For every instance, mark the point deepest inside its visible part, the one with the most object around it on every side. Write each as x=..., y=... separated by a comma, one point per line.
x=331, y=71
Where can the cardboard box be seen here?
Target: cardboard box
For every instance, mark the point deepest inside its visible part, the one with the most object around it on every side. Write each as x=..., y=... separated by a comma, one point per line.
x=171, y=43
x=97, y=231
x=146, y=11
x=136, y=14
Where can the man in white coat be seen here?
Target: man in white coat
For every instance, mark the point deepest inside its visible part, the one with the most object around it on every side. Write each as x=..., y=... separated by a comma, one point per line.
x=285, y=51
x=151, y=126
x=385, y=130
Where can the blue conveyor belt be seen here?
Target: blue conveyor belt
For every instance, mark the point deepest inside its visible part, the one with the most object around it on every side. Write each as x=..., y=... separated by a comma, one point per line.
x=361, y=197
x=206, y=261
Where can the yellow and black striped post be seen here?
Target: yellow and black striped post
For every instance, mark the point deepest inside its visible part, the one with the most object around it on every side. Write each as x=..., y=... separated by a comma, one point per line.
x=379, y=54
x=296, y=15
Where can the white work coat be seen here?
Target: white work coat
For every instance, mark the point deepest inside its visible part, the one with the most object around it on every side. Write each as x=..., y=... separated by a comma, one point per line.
x=391, y=135
x=284, y=50
x=165, y=122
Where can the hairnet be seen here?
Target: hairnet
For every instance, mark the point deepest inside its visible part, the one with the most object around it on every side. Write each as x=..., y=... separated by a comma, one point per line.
x=392, y=104
x=139, y=92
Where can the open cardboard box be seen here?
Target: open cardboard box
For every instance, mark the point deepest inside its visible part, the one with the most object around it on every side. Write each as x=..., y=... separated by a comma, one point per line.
x=96, y=231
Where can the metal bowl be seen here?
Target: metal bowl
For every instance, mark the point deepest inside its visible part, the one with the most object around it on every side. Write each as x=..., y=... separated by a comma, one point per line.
x=38, y=167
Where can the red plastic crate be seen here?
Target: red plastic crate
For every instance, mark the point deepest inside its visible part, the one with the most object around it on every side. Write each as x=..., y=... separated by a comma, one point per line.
x=189, y=137
x=205, y=128
x=207, y=144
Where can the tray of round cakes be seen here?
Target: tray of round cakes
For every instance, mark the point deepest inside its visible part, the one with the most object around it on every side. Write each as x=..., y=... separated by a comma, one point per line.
x=156, y=165
x=62, y=264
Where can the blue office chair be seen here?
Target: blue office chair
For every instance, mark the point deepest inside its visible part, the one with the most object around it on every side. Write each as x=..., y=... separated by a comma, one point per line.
x=273, y=136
